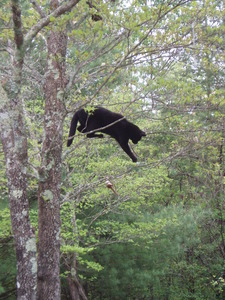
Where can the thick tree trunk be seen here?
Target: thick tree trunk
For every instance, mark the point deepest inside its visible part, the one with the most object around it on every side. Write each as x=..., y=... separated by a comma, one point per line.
x=50, y=171
x=15, y=149
x=14, y=140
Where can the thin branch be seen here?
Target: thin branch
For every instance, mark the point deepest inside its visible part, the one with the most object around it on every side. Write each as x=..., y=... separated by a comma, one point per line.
x=99, y=129
x=101, y=52
x=179, y=132
x=38, y=8
x=126, y=56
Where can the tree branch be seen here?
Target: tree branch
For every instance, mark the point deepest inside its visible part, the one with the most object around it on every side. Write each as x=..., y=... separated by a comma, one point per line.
x=38, y=8
x=16, y=13
x=45, y=21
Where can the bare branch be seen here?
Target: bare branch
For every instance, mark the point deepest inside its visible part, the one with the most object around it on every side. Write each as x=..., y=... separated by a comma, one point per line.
x=38, y=8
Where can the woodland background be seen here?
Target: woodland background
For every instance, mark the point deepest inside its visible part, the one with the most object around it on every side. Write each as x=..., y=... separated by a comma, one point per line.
x=63, y=234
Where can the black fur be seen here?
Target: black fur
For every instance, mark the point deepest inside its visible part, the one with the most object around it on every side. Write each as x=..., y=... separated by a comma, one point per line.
x=121, y=131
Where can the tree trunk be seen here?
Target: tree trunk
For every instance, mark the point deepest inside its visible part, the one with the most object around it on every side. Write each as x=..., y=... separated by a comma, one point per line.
x=76, y=290
x=50, y=171
x=15, y=149
x=14, y=140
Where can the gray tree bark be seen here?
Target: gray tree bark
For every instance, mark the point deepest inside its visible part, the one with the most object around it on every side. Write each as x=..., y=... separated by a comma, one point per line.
x=50, y=171
x=15, y=148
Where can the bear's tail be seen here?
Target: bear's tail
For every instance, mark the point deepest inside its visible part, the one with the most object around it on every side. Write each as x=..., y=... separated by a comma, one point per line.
x=73, y=127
